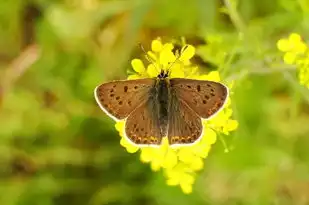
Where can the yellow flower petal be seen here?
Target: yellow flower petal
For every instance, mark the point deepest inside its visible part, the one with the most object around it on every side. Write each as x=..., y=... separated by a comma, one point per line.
x=186, y=183
x=186, y=188
x=174, y=176
x=187, y=52
x=156, y=46
x=133, y=77
x=172, y=182
x=155, y=165
x=214, y=76
x=203, y=149
x=283, y=45
x=152, y=70
x=146, y=154
x=168, y=47
x=166, y=56
x=301, y=47
x=197, y=163
x=228, y=112
x=294, y=37
x=209, y=136
x=132, y=149
x=185, y=155
x=170, y=160
x=289, y=58
x=152, y=56
x=177, y=71
x=138, y=65
x=232, y=125
x=119, y=126
x=187, y=178
x=228, y=102
x=192, y=72
x=129, y=147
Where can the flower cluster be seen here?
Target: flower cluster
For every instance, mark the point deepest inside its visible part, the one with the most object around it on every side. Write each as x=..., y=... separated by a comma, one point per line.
x=296, y=53
x=179, y=164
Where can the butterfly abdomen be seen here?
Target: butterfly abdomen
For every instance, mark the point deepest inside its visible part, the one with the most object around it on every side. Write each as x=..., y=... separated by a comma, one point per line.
x=162, y=101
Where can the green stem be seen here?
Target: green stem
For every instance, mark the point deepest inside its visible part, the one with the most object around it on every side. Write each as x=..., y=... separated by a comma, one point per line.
x=234, y=15
x=301, y=89
x=226, y=149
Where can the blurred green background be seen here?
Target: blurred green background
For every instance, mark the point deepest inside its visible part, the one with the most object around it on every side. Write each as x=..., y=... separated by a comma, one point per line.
x=57, y=147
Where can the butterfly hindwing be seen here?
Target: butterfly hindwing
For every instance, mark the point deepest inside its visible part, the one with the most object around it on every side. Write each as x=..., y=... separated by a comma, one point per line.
x=185, y=126
x=142, y=127
x=119, y=98
x=204, y=97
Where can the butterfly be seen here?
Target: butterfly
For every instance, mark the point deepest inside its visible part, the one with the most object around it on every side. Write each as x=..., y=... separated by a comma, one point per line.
x=154, y=108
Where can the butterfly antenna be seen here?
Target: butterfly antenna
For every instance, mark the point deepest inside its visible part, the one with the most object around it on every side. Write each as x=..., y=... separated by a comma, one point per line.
x=148, y=58
x=171, y=65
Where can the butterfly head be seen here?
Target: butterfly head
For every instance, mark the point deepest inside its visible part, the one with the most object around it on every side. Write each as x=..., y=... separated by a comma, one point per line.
x=163, y=74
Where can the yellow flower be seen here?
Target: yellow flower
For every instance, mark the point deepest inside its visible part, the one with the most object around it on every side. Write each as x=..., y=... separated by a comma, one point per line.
x=179, y=164
x=296, y=53
x=292, y=44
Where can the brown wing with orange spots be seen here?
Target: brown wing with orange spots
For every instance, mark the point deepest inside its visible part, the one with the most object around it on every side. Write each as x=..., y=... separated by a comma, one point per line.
x=119, y=98
x=185, y=126
x=142, y=127
x=206, y=98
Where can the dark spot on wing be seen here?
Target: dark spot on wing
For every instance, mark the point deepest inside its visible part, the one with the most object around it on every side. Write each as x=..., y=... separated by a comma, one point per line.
x=198, y=88
x=125, y=89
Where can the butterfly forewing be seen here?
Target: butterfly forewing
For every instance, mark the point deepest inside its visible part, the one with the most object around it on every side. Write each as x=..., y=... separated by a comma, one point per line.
x=204, y=97
x=142, y=127
x=119, y=98
x=185, y=126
